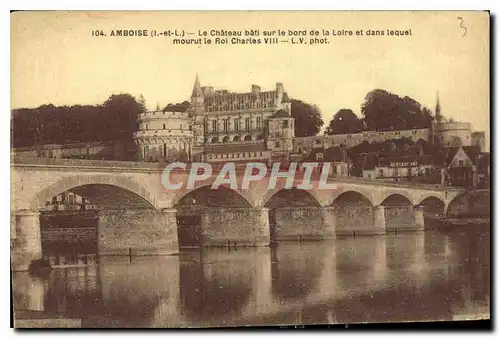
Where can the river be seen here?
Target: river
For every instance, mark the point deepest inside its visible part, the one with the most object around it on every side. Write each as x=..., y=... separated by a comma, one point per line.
x=421, y=276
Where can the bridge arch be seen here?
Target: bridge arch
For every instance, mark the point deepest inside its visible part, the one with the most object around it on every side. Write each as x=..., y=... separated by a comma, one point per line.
x=101, y=190
x=396, y=199
x=302, y=198
x=244, y=195
x=470, y=203
x=352, y=193
x=224, y=192
x=430, y=197
x=387, y=193
x=434, y=207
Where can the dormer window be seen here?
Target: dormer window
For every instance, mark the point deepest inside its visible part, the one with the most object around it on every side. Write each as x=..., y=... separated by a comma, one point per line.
x=319, y=156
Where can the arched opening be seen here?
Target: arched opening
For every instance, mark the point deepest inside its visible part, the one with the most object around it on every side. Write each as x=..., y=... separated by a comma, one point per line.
x=191, y=207
x=458, y=207
x=260, y=137
x=398, y=211
x=354, y=213
x=290, y=210
x=470, y=204
x=69, y=220
x=236, y=138
x=433, y=207
x=248, y=138
x=215, y=139
x=225, y=139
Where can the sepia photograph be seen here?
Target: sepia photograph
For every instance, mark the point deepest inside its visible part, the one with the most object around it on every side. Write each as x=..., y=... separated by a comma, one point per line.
x=210, y=169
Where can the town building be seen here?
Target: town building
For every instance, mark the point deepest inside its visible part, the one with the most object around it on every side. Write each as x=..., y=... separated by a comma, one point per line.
x=257, y=126
x=461, y=164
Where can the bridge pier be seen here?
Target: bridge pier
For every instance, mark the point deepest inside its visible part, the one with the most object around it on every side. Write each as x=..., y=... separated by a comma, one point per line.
x=235, y=227
x=418, y=218
x=404, y=218
x=305, y=223
x=27, y=245
x=379, y=221
x=137, y=232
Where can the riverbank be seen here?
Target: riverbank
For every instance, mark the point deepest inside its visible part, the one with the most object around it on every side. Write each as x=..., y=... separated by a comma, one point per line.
x=26, y=319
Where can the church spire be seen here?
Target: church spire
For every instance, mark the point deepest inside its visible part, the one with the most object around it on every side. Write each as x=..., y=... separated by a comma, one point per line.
x=437, y=111
x=197, y=92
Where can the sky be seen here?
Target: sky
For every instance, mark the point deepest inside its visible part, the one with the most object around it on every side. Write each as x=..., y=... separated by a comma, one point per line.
x=55, y=59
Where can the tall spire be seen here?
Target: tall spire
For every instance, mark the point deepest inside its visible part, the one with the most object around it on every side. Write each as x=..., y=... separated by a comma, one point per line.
x=197, y=92
x=437, y=111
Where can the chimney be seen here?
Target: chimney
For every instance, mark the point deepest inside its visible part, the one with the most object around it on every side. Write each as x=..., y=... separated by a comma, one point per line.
x=255, y=89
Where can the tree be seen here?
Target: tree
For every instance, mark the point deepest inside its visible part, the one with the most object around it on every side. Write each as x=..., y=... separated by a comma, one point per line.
x=308, y=120
x=121, y=111
x=344, y=122
x=387, y=111
x=114, y=120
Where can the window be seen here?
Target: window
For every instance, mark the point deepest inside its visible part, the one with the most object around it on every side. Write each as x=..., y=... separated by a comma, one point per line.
x=181, y=126
x=146, y=127
x=317, y=141
x=259, y=122
x=277, y=144
x=164, y=126
x=461, y=163
x=226, y=125
x=319, y=157
x=285, y=124
x=381, y=172
x=236, y=125
x=214, y=126
x=247, y=123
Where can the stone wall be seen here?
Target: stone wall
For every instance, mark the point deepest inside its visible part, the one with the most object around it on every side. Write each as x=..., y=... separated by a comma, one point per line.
x=301, y=223
x=355, y=220
x=140, y=231
x=69, y=235
x=399, y=218
x=235, y=227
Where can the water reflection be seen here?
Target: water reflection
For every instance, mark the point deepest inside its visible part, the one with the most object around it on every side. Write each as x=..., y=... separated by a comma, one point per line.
x=296, y=270
x=212, y=286
x=409, y=276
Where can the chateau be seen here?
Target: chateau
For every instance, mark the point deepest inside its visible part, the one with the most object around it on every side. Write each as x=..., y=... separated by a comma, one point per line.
x=220, y=125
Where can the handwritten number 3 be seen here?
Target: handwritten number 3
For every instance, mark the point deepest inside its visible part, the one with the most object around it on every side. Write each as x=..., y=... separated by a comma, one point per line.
x=462, y=26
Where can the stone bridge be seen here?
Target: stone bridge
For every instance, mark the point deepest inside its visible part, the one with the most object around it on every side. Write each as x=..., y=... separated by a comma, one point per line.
x=137, y=213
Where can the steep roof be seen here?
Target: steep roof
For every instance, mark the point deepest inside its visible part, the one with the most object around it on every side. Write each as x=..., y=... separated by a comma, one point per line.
x=472, y=152
x=197, y=92
x=281, y=113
